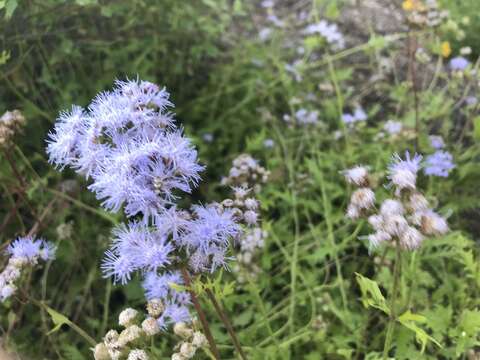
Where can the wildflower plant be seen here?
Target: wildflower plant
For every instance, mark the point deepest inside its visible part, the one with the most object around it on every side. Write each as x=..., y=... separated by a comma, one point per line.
x=403, y=221
x=25, y=252
x=138, y=159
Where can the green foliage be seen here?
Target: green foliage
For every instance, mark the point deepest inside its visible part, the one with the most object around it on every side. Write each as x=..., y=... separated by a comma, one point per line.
x=310, y=300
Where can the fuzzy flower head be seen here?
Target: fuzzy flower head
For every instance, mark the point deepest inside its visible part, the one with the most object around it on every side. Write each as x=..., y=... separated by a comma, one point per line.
x=459, y=63
x=403, y=173
x=31, y=249
x=439, y=163
x=127, y=142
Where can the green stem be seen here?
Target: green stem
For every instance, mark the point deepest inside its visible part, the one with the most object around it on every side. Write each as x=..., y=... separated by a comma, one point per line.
x=393, y=296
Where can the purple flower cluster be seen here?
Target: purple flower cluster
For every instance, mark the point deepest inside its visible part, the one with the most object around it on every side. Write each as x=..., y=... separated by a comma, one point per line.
x=128, y=144
x=440, y=163
x=24, y=252
x=358, y=115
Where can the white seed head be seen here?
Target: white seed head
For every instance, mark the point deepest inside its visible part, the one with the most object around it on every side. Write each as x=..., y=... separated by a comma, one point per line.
x=155, y=308
x=111, y=339
x=114, y=353
x=363, y=198
x=127, y=317
x=411, y=239
x=417, y=202
x=376, y=221
x=391, y=207
x=353, y=212
x=357, y=175
x=395, y=225
x=433, y=224
x=130, y=334
x=187, y=350
x=137, y=354
x=403, y=179
x=199, y=340
x=178, y=356
x=378, y=238
x=251, y=204
x=183, y=330
x=100, y=352
x=150, y=326
x=250, y=217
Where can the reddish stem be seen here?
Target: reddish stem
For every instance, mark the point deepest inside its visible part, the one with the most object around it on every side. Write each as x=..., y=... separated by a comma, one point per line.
x=201, y=314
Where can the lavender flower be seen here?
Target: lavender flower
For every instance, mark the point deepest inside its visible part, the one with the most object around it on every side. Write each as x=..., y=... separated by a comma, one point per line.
x=393, y=127
x=126, y=141
x=459, y=63
x=24, y=252
x=439, y=163
x=403, y=173
x=358, y=115
x=328, y=31
x=436, y=142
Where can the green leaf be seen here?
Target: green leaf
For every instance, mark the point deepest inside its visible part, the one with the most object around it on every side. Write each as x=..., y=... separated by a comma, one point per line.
x=410, y=320
x=371, y=294
x=57, y=318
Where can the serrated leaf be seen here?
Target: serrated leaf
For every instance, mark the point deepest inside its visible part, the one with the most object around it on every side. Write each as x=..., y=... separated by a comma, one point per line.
x=409, y=320
x=371, y=294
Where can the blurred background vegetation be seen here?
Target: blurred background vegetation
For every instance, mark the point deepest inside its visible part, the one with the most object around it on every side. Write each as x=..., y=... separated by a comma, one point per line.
x=231, y=89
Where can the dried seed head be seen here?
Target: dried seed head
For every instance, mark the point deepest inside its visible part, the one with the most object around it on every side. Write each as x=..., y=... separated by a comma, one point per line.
x=127, y=317
x=411, y=239
x=378, y=238
x=199, y=340
x=130, y=334
x=100, y=352
x=353, y=212
x=150, y=326
x=391, y=207
x=178, y=356
x=137, y=354
x=417, y=202
x=357, y=175
x=363, y=198
x=111, y=339
x=187, y=350
x=155, y=308
x=433, y=224
x=183, y=330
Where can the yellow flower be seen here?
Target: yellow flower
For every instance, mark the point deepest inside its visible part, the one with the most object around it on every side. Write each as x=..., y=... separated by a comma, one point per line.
x=413, y=5
x=446, y=50
x=408, y=5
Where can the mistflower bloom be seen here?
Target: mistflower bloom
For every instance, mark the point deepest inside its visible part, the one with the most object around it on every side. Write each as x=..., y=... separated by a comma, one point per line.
x=403, y=220
x=24, y=252
x=329, y=32
x=358, y=115
x=393, y=127
x=439, y=163
x=268, y=143
x=459, y=63
x=403, y=173
x=358, y=175
x=436, y=141
x=305, y=117
x=127, y=142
